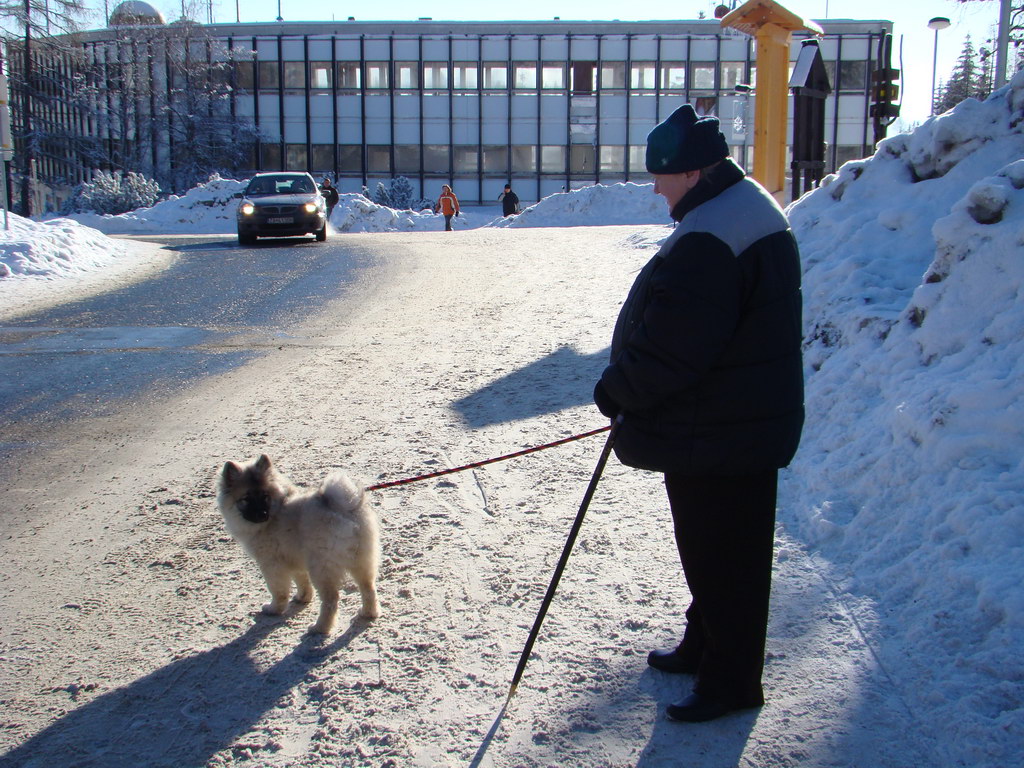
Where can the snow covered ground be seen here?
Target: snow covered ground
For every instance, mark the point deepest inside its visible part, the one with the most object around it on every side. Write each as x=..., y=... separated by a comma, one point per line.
x=898, y=613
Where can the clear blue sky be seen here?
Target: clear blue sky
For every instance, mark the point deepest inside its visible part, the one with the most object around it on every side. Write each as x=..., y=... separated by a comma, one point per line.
x=910, y=17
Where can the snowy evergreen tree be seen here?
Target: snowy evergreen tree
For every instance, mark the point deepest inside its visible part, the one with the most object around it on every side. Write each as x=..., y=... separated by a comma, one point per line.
x=382, y=196
x=114, y=193
x=401, y=193
x=963, y=83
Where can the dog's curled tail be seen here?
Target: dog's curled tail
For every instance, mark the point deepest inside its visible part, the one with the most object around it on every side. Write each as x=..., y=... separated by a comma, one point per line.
x=341, y=492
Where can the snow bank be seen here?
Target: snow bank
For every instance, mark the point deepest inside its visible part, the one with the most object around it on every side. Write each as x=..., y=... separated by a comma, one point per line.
x=56, y=248
x=356, y=213
x=206, y=209
x=909, y=476
x=625, y=203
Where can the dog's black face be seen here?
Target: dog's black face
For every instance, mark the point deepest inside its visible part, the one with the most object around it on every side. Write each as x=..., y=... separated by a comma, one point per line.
x=254, y=506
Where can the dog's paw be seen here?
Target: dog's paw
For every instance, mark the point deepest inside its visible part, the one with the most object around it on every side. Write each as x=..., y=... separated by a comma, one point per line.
x=319, y=629
x=273, y=609
x=303, y=597
x=371, y=612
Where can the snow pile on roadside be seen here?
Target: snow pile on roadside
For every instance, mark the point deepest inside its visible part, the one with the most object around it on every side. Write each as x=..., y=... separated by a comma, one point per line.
x=56, y=248
x=206, y=209
x=909, y=475
x=598, y=205
x=356, y=213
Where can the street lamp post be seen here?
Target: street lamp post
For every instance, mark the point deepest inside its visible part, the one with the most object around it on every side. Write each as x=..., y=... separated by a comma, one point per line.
x=939, y=22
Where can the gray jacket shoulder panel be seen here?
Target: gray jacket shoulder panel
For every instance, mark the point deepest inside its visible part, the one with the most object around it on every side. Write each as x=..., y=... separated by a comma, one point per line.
x=747, y=201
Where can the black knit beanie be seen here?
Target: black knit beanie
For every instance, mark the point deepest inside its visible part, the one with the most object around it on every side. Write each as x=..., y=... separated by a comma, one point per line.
x=685, y=142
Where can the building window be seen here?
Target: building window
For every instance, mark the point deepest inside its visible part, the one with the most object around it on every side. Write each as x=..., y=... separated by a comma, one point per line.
x=407, y=158
x=407, y=75
x=464, y=76
x=641, y=75
x=323, y=158
x=847, y=152
x=524, y=159
x=320, y=75
x=583, y=77
x=435, y=158
x=637, y=158
x=552, y=159
x=525, y=76
x=496, y=76
x=582, y=159
x=853, y=75
x=496, y=159
x=673, y=76
x=378, y=159
x=435, y=75
x=271, y=154
x=350, y=158
x=613, y=159
x=732, y=74
x=376, y=74
x=703, y=76
x=295, y=156
x=270, y=78
x=349, y=76
x=613, y=75
x=553, y=76
x=294, y=75
x=466, y=160
x=706, y=105
x=245, y=77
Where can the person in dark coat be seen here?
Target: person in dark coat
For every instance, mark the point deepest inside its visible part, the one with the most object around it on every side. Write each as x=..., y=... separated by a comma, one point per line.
x=509, y=201
x=707, y=373
x=330, y=194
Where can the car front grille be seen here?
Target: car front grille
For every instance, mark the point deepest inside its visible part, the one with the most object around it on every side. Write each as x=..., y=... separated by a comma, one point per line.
x=275, y=210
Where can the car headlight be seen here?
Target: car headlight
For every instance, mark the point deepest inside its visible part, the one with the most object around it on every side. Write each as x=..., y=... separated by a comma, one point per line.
x=246, y=209
x=310, y=207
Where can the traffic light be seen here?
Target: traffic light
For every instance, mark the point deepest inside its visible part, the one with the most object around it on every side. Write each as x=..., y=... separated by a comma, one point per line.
x=884, y=92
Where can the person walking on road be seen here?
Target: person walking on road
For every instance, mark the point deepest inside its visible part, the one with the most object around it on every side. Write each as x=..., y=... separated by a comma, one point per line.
x=706, y=371
x=330, y=194
x=448, y=204
x=509, y=201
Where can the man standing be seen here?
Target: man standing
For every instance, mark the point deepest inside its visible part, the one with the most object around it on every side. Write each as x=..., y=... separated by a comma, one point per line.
x=330, y=195
x=706, y=369
x=509, y=201
x=448, y=204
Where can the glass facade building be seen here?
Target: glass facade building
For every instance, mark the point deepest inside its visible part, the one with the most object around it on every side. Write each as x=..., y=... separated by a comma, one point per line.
x=547, y=106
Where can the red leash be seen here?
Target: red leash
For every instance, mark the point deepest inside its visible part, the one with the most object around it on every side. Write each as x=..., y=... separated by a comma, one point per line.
x=496, y=459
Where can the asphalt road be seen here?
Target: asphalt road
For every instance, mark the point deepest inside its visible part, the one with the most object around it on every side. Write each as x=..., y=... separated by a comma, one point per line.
x=215, y=307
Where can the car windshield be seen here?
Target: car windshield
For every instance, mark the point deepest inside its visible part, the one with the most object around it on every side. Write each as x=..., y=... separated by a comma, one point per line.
x=279, y=185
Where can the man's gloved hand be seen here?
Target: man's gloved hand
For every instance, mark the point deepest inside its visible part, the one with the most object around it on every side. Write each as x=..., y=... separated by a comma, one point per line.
x=604, y=402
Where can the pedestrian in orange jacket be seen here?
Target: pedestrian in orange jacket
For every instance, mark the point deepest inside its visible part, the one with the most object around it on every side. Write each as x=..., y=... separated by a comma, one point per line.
x=448, y=204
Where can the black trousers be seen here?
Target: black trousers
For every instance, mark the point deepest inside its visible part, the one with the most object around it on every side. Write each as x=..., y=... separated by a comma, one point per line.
x=725, y=532
x=447, y=223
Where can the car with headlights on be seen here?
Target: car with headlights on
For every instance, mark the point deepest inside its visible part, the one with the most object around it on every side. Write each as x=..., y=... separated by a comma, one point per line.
x=281, y=205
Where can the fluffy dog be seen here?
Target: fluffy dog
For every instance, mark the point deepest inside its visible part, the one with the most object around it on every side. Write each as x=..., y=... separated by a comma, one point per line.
x=310, y=537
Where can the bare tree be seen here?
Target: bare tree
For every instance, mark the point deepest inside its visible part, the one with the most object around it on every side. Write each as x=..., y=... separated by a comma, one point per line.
x=161, y=98
x=41, y=22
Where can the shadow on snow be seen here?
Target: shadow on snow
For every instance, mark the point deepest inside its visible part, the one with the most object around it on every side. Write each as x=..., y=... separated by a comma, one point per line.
x=561, y=380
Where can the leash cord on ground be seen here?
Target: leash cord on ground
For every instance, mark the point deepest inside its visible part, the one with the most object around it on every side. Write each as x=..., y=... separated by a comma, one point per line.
x=475, y=464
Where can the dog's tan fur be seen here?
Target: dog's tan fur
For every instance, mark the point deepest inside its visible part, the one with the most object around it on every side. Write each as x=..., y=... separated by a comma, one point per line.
x=311, y=538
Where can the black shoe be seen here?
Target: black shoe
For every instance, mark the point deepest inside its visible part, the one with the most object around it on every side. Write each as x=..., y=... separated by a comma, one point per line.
x=672, y=662
x=697, y=708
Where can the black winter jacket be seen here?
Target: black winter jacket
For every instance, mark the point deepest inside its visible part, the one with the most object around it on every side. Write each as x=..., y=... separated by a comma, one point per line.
x=706, y=354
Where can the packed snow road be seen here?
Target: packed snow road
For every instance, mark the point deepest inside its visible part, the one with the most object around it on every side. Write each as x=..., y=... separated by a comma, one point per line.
x=216, y=306
x=131, y=634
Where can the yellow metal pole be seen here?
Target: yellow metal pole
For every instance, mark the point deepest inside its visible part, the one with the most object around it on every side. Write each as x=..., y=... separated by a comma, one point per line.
x=771, y=26
x=771, y=114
